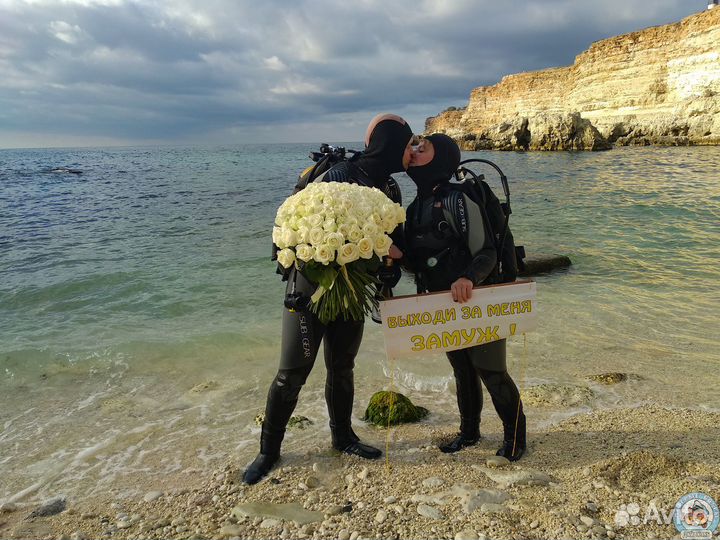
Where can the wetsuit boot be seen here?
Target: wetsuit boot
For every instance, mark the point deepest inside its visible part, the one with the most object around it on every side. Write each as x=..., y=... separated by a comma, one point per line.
x=506, y=399
x=514, y=439
x=281, y=402
x=350, y=444
x=469, y=400
x=342, y=341
x=265, y=460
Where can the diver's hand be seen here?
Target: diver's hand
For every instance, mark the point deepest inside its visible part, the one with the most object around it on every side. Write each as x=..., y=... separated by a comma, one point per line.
x=461, y=290
x=389, y=275
x=395, y=252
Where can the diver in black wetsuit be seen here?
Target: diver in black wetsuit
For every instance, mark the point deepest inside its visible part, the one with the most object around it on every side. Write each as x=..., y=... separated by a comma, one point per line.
x=387, y=151
x=448, y=248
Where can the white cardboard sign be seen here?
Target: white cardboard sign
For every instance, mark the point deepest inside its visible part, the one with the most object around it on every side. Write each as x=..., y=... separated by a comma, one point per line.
x=431, y=323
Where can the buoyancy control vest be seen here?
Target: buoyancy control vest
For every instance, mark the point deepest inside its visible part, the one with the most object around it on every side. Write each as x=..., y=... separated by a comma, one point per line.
x=447, y=238
x=496, y=215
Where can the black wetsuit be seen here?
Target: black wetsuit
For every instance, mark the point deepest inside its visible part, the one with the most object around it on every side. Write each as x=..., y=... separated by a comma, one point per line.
x=302, y=332
x=446, y=239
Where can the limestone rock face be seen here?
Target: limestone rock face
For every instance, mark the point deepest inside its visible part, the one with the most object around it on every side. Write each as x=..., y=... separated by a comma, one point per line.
x=659, y=86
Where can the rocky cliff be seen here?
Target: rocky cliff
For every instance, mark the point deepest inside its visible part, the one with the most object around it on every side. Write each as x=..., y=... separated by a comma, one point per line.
x=660, y=86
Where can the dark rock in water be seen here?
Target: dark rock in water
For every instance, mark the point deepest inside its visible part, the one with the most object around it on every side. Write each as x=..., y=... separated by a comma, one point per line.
x=391, y=408
x=65, y=170
x=540, y=264
x=49, y=508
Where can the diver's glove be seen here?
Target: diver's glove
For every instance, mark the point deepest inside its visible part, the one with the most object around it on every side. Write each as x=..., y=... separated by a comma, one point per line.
x=389, y=276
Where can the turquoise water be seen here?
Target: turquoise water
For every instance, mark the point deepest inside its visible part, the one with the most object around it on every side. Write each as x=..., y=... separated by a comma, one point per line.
x=139, y=311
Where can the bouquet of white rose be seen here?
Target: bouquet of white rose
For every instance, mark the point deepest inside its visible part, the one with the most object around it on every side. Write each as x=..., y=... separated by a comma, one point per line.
x=336, y=234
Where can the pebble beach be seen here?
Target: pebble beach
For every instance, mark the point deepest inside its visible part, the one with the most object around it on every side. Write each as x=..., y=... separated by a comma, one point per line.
x=605, y=474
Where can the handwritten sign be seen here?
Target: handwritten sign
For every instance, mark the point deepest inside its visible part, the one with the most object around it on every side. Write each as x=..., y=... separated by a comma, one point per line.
x=431, y=323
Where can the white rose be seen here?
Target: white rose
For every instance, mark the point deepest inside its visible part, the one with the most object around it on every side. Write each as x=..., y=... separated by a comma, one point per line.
x=350, y=221
x=289, y=238
x=329, y=225
x=286, y=209
x=382, y=244
x=348, y=253
x=355, y=234
x=286, y=257
x=304, y=252
x=340, y=215
x=300, y=210
x=314, y=220
x=388, y=224
x=361, y=212
x=370, y=229
x=317, y=236
x=399, y=214
x=334, y=240
x=316, y=200
x=324, y=254
x=365, y=248
x=347, y=205
x=303, y=235
x=344, y=230
x=276, y=236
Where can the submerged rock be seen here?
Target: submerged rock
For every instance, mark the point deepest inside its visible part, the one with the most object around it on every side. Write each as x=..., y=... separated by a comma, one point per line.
x=608, y=378
x=297, y=422
x=553, y=395
x=49, y=508
x=8, y=507
x=205, y=387
x=392, y=408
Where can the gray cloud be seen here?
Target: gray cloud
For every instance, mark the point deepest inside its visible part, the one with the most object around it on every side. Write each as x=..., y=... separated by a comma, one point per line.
x=195, y=70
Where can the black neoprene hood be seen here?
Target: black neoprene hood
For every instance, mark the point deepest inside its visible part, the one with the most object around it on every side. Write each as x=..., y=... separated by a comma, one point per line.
x=443, y=165
x=384, y=155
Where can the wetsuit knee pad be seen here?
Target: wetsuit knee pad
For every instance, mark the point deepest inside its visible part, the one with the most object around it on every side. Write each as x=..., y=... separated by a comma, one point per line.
x=290, y=381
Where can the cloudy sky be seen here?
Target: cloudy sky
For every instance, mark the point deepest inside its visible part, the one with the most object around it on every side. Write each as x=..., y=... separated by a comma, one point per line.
x=101, y=72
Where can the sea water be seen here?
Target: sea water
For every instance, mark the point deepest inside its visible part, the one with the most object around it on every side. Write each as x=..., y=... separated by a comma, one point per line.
x=140, y=311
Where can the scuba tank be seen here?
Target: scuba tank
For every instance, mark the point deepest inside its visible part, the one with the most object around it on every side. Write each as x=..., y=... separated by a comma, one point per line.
x=496, y=216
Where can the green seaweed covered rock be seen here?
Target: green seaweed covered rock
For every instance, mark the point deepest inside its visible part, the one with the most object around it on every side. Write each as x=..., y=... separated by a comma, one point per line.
x=391, y=408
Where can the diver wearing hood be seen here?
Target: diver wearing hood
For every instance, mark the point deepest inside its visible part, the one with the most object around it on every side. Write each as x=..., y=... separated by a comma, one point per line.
x=387, y=151
x=448, y=247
